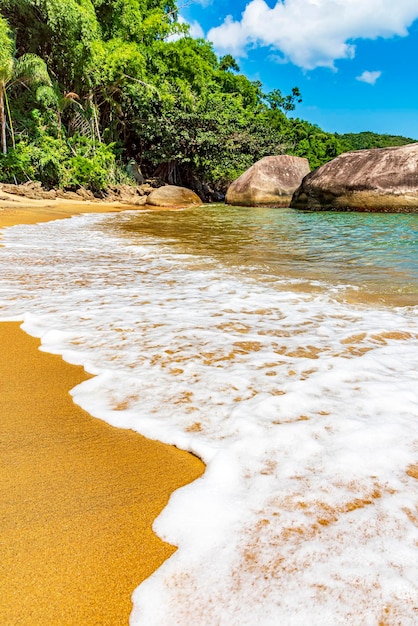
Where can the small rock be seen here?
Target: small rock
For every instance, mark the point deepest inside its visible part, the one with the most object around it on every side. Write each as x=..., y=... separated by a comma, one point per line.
x=173, y=196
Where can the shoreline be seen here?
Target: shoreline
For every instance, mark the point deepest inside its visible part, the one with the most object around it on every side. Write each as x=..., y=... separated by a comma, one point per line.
x=78, y=497
x=15, y=209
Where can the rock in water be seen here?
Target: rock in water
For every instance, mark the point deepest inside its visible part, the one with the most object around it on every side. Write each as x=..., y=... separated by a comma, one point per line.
x=381, y=179
x=172, y=196
x=269, y=182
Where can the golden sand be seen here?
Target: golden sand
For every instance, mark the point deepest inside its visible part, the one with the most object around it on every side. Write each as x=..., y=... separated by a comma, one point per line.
x=77, y=497
x=20, y=210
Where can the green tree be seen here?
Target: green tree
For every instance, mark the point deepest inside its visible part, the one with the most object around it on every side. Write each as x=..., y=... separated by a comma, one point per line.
x=276, y=100
x=6, y=72
x=367, y=139
x=29, y=68
x=123, y=89
x=228, y=62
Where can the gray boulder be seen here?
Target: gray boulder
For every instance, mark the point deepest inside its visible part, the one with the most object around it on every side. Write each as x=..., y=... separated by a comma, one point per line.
x=381, y=179
x=269, y=182
x=171, y=196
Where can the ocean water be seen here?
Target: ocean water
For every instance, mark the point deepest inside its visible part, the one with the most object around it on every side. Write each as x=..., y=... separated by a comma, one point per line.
x=281, y=348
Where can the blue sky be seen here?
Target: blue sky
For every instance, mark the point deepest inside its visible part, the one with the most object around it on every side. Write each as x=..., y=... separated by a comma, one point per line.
x=354, y=61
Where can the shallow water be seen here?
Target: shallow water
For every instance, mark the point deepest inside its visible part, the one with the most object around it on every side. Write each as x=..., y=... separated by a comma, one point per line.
x=231, y=333
x=376, y=254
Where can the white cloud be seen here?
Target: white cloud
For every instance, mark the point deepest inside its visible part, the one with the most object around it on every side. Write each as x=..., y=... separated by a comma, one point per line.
x=277, y=58
x=369, y=77
x=196, y=31
x=313, y=33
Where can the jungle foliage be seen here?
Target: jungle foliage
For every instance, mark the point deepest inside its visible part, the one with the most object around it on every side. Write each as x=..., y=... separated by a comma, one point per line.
x=367, y=140
x=88, y=85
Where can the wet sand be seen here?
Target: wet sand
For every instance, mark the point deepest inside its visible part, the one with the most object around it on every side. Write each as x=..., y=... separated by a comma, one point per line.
x=77, y=497
x=20, y=210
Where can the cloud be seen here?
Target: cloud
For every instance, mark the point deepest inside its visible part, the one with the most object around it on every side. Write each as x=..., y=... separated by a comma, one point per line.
x=277, y=58
x=369, y=77
x=313, y=33
x=196, y=31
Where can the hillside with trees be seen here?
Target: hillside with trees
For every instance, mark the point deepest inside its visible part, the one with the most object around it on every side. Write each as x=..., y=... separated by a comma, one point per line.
x=367, y=140
x=86, y=86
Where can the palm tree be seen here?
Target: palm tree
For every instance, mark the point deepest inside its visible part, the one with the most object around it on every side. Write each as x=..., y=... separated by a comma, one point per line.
x=6, y=71
x=29, y=68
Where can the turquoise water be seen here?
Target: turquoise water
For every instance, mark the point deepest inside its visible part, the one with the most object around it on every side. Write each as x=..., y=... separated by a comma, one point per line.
x=377, y=254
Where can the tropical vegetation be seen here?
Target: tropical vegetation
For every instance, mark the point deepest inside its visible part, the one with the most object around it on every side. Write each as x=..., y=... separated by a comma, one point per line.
x=366, y=140
x=86, y=86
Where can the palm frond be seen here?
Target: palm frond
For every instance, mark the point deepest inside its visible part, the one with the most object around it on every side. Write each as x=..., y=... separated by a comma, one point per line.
x=30, y=68
x=80, y=124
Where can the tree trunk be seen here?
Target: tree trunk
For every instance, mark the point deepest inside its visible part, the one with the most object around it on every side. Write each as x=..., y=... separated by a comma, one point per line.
x=169, y=172
x=2, y=122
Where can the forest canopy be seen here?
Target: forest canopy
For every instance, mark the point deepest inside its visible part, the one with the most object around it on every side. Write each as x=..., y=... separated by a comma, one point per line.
x=88, y=85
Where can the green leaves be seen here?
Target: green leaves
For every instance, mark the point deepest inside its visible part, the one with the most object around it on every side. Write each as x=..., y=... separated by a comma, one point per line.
x=285, y=103
x=6, y=51
x=228, y=62
x=366, y=140
x=58, y=163
x=89, y=171
x=30, y=68
x=127, y=79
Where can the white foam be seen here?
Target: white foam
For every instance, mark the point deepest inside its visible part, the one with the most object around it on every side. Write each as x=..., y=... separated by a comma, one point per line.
x=304, y=409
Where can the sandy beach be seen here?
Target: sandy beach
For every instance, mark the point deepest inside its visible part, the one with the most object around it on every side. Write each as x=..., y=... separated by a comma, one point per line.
x=77, y=497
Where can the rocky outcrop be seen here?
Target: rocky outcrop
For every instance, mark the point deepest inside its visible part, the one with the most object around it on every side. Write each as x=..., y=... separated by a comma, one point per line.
x=171, y=196
x=125, y=194
x=31, y=190
x=381, y=180
x=135, y=196
x=269, y=182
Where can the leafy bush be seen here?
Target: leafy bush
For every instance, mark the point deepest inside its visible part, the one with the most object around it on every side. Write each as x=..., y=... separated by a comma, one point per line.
x=19, y=165
x=78, y=72
x=58, y=163
x=90, y=166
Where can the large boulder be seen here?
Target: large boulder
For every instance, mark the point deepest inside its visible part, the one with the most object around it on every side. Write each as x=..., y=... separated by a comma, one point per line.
x=171, y=196
x=269, y=182
x=381, y=179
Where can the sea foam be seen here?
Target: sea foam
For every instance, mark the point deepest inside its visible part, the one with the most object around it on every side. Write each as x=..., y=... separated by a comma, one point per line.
x=304, y=409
